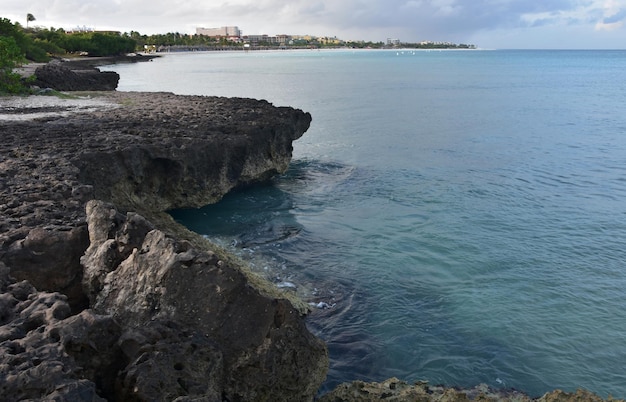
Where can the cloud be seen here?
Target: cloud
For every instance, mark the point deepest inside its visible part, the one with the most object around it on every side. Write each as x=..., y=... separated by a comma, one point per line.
x=617, y=17
x=614, y=16
x=409, y=20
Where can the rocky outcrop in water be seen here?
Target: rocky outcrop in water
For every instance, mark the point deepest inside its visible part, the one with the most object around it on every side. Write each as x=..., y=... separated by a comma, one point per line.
x=395, y=390
x=111, y=300
x=67, y=76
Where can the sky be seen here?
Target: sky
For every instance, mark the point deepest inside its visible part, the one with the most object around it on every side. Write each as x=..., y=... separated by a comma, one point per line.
x=491, y=24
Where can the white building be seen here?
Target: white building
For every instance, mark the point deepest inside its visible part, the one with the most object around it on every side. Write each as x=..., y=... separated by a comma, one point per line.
x=226, y=32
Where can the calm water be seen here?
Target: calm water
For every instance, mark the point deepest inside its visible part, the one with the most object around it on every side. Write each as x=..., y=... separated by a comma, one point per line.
x=462, y=213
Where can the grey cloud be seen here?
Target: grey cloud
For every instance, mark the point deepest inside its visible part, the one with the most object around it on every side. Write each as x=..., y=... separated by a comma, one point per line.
x=617, y=17
x=411, y=20
x=428, y=18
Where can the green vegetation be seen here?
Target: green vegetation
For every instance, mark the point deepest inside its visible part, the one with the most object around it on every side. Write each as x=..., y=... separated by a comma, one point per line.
x=10, y=56
x=95, y=44
x=19, y=45
x=25, y=42
x=171, y=39
x=39, y=44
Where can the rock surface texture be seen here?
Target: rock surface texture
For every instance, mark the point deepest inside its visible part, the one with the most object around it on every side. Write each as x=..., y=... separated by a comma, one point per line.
x=394, y=390
x=67, y=76
x=103, y=299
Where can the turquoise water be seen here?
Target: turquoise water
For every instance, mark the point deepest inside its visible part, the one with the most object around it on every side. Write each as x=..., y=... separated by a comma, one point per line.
x=461, y=214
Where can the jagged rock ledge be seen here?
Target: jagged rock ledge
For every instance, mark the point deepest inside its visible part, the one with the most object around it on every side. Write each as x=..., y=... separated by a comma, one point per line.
x=102, y=295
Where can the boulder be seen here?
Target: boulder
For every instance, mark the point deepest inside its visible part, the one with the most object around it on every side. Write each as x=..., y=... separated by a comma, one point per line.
x=66, y=77
x=268, y=355
x=49, y=260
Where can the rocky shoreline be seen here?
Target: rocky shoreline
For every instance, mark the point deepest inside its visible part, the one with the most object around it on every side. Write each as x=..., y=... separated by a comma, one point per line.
x=104, y=297
x=79, y=73
x=101, y=294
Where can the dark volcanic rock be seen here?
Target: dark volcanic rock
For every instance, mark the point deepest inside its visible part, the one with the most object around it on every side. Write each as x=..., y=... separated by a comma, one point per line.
x=72, y=77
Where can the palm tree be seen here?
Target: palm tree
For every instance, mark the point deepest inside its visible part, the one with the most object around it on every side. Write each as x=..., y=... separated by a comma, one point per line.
x=29, y=18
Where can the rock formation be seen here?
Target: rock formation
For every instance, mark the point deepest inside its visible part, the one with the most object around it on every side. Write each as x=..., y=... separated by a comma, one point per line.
x=67, y=76
x=144, y=278
x=110, y=300
x=395, y=390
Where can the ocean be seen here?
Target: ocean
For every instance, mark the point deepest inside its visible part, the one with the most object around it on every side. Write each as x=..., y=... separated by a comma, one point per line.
x=452, y=216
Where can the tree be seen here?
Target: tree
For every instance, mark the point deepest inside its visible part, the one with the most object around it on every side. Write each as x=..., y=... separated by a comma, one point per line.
x=10, y=57
x=29, y=18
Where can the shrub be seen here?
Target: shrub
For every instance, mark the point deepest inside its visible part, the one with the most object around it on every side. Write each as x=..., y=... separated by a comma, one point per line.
x=10, y=57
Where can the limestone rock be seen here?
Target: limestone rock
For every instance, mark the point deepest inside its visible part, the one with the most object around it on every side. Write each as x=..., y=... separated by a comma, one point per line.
x=168, y=321
x=167, y=156
x=268, y=353
x=395, y=390
x=113, y=237
x=144, y=152
x=168, y=362
x=580, y=395
x=49, y=260
x=66, y=77
x=45, y=352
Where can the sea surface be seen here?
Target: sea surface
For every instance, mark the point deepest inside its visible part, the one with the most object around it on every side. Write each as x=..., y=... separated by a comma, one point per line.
x=452, y=216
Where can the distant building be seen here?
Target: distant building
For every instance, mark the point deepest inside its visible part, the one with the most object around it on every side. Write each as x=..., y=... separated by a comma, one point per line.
x=304, y=37
x=393, y=42
x=325, y=40
x=80, y=29
x=223, y=32
x=255, y=40
x=283, y=39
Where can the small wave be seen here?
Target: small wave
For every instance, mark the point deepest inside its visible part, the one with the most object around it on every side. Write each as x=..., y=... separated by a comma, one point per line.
x=314, y=176
x=268, y=233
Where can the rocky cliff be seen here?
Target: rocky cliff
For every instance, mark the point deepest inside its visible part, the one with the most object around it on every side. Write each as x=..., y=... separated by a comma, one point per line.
x=102, y=297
